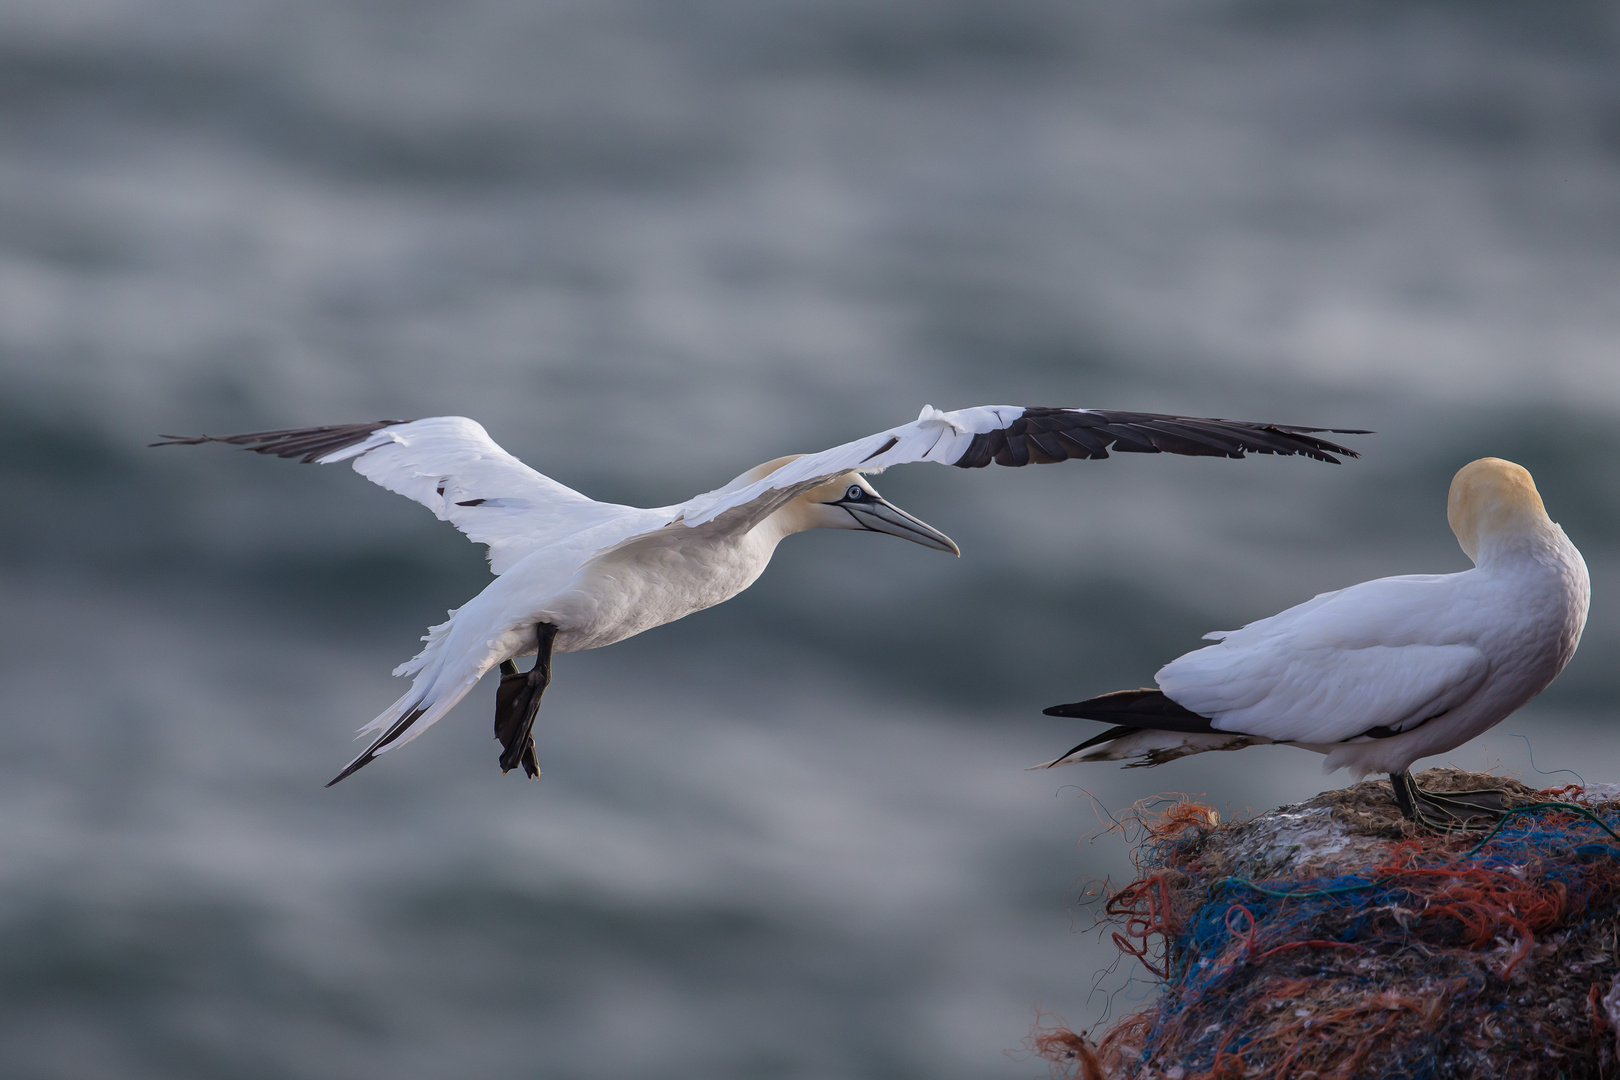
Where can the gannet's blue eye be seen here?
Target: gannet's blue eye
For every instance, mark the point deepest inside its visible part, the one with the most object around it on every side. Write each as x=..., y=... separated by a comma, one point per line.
x=855, y=493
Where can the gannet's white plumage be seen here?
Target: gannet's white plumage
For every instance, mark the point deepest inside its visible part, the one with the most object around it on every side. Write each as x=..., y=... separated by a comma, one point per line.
x=600, y=572
x=1383, y=673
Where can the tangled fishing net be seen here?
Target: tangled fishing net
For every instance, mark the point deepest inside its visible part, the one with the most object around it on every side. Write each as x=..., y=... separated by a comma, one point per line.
x=1333, y=940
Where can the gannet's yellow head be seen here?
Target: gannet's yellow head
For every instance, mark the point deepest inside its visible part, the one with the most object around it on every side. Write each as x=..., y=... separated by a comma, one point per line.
x=849, y=502
x=1492, y=498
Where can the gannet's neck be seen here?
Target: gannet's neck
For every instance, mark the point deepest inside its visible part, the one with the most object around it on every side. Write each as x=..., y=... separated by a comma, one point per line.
x=1504, y=550
x=801, y=514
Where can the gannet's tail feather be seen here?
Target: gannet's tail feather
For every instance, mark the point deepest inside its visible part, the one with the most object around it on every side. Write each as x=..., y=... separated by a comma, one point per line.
x=405, y=720
x=430, y=655
x=399, y=727
x=1139, y=747
x=431, y=696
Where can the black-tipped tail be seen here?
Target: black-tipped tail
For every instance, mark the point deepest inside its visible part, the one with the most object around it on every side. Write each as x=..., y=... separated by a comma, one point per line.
x=400, y=727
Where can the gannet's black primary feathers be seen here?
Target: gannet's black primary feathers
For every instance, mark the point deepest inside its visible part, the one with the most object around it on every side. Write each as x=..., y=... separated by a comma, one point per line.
x=308, y=443
x=1043, y=435
x=1147, y=708
x=1133, y=711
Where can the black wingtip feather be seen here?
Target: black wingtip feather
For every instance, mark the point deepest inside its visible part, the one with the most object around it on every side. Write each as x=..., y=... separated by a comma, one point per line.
x=1139, y=709
x=306, y=443
x=1042, y=435
x=1147, y=709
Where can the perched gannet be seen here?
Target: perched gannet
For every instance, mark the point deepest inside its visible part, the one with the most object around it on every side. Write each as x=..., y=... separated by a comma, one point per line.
x=578, y=574
x=1382, y=673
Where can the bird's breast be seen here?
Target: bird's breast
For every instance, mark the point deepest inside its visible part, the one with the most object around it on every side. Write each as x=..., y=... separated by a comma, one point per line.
x=1531, y=613
x=623, y=598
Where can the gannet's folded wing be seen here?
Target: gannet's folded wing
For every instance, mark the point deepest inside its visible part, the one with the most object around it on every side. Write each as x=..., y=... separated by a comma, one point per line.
x=450, y=465
x=1325, y=672
x=1009, y=435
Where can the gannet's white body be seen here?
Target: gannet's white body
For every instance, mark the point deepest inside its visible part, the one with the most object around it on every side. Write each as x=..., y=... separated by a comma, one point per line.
x=587, y=574
x=598, y=586
x=1383, y=673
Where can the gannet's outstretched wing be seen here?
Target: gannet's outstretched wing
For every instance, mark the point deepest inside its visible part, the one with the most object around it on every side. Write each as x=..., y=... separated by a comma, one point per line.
x=1377, y=658
x=450, y=465
x=1008, y=435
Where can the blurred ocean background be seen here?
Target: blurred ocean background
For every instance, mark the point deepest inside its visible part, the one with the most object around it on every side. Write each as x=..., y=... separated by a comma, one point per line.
x=649, y=243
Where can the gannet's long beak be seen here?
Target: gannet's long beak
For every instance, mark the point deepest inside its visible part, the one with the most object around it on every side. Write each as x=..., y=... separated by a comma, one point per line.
x=877, y=514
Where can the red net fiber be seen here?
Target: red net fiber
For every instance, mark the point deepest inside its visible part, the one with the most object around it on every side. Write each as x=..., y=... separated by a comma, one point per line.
x=1332, y=940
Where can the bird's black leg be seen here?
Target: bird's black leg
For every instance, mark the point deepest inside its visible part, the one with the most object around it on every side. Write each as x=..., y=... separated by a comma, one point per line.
x=517, y=699
x=1449, y=811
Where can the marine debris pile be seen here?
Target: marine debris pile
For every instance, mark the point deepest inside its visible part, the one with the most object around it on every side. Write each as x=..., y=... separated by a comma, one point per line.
x=1333, y=940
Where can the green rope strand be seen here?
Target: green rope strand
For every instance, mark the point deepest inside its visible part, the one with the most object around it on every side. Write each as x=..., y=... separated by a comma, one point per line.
x=1531, y=808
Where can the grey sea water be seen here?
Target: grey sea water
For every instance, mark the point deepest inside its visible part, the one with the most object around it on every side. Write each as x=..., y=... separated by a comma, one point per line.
x=649, y=243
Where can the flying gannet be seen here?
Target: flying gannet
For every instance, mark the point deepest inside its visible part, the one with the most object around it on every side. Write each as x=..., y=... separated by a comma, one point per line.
x=574, y=573
x=1382, y=673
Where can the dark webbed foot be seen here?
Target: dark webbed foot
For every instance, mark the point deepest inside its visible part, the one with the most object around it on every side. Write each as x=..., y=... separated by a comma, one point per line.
x=517, y=699
x=1449, y=811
